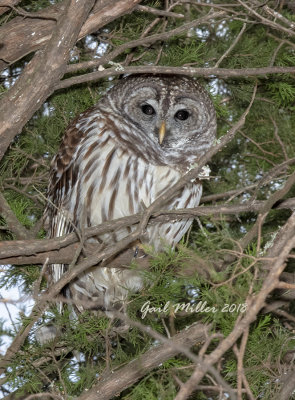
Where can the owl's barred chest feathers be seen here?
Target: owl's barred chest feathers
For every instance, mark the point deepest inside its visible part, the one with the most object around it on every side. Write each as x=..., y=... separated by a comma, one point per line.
x=117, y=183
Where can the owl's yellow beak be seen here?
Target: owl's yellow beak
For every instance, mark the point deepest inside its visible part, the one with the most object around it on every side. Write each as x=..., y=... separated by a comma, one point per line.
x=162, y=132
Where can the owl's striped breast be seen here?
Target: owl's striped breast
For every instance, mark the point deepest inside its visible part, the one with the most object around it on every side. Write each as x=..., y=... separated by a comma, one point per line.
x=117, y=183
x=109, y=181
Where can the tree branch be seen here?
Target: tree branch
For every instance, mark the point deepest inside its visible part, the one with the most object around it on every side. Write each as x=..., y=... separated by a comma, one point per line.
x=287, y=385
x=114, y=382
x=20, y=36
x=5, y=5
x=22, y=100
x=61, y=249
x=156, y=11
x=265, y=210
x=190, y=71
x=266, y=21
x=143, y=41
x=231, y=46
x=13, y=223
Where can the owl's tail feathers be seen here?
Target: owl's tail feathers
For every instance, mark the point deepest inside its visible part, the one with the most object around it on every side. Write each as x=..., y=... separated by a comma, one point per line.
x=50, y=333
x=46, y=334
x=132, y=281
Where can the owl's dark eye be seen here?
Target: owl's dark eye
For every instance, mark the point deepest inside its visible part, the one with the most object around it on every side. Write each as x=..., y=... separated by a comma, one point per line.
x=182, y=115
x=147, y=109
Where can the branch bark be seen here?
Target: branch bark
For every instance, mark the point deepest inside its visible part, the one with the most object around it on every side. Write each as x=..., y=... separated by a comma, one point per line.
x=265, y=210
x=190, y=71
x=48, y=66
x=144, y=41
x=21, y=36
x=61, y=249
x=266, y=21
x=13, y=223
x=5, y=5
x=288, y=386
x=114, y=382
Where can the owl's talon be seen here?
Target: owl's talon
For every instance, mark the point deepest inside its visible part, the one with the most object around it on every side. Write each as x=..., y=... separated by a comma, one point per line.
x=136, y=252
x=139, y=252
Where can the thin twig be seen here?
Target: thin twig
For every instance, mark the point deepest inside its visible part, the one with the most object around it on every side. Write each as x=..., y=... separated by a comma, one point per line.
x=13, y=223
x=231, y=46
x=266, y=21
x=265, y=210
x=274, y=56
x=155, y=11
x=276, y=133
x=282, y=249
x=142, y=41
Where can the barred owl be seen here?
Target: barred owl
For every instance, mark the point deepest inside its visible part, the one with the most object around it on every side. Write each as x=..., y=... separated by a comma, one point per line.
x=119, y=156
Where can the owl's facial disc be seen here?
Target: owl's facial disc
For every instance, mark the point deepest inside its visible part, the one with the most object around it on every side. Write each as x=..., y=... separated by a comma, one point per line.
x=173, y=117
x=172, y=122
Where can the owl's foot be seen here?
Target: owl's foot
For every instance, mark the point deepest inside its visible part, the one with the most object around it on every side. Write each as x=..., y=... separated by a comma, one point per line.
x=139, y=252
x=138, y=248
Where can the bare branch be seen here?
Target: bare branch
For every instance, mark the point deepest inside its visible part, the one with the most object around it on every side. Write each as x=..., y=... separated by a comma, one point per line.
x=61, y=249
x=5, y=5
x=279, y=16
x=231, y=46
x=276, y=133
x=143, y=41
x=190, y=71
x=265, y=210
x=241, y=373
x=161, y=13
x=281, y=250
x=114, y=382
x=266, y=21
x=20, y=36
x=287, y=386
x=46, y=67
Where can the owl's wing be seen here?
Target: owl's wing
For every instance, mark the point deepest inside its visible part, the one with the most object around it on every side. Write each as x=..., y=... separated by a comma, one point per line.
x=64, y=174
x=63, y=177
x=92, y=179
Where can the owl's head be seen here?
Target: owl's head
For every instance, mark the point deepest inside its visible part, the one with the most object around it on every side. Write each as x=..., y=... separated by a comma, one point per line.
x=172, y=114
